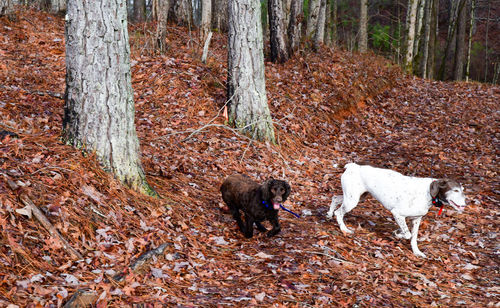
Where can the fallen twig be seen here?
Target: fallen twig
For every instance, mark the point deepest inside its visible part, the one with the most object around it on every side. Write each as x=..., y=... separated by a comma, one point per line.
x=47, y=225
x=142, y=261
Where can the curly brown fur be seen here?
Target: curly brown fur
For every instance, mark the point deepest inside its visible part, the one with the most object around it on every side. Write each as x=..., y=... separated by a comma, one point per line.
x=240, y=192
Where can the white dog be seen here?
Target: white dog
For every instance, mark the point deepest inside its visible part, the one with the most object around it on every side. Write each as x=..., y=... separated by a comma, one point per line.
x=404, y=196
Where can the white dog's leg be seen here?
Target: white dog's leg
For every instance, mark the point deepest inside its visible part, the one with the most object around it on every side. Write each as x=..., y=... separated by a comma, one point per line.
x=350, y=202
x=414, y=234
x=403, y=232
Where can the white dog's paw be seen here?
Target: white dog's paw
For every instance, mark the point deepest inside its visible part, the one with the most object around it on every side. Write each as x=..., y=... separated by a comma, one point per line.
x=400, y=234
x=419, y=254
x=329, y=215
x=346, y=230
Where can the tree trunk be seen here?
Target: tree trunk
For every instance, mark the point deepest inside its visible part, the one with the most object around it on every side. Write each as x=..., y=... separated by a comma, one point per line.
x=248, y=109
x=7, y=6
x=162, y=7
x=139, y=10
x=363, y=24
x=410, y=37
x=433, y=40
x=458, y=67
x=312, y=19
x=418, y=27
x=277, y=32
x=206, y=19
x=220, y=15
x=471, y=29
x=427, y=20
x=57, y=6
x=294, y=26
x=456, y=7
x=183, y=12
x=99, y=106
x=319, y=34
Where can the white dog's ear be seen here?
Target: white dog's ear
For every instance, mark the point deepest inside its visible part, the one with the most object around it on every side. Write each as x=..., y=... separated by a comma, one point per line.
x=436, y=186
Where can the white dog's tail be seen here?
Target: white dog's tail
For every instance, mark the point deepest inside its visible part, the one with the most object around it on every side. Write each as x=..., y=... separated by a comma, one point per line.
x=350, y=165
x=336, y=200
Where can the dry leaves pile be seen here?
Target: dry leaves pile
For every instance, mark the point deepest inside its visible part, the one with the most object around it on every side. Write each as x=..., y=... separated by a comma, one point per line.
x=329, y=108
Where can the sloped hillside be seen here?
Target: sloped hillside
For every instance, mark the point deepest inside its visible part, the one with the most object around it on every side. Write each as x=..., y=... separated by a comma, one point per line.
x=184, y=249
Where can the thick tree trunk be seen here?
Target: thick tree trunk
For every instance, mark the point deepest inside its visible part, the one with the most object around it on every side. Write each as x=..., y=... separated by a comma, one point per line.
x=363, y=25
x=162, y=7
x=455, y=9
x=294, y=26
x=248, y=109
x=410, y=37
x=277, y=32
x=312, y=19
x=139, y=10
x=99, y=106
x=319, y=34
x=458, y=67
x=220, y=15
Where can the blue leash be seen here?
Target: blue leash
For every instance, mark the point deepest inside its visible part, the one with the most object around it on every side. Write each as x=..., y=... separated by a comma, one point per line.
x=281, y=206
x=284, y=208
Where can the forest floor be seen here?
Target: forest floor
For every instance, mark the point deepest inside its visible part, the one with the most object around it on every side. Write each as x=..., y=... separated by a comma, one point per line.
x=330, y=107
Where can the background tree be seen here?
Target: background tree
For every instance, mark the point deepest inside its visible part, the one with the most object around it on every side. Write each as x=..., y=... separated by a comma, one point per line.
x=458, y=65
x=277, y=32
x=99, y=107
x=319, y=33
x=139, y=10
x=363, y=25
x=7, y=6
x=410, y=35
x=312, y=18
x=162, y=7
x=220, y=15
x=248, y=109
x=294, y=25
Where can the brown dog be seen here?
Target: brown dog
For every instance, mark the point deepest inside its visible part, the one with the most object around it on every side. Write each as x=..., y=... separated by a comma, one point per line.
x=258, y=202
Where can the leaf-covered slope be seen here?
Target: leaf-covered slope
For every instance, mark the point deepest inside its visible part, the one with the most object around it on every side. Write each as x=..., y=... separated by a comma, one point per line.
x=329, y=108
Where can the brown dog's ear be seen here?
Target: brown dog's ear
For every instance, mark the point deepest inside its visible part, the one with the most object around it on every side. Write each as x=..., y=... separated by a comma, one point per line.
x=436, y=186
x=265, y=189
x=287, y=191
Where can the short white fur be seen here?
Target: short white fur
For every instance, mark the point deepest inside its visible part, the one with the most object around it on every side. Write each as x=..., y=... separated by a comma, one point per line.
x=404, y=196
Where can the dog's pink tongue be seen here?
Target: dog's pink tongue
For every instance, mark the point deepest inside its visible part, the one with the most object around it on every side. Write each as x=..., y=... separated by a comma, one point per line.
x=276, y=206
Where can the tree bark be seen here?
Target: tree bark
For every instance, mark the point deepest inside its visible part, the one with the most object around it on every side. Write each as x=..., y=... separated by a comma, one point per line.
x=294, y=26
x=433, y=39
x=319, y=34
x=248, y=109
x=183, y=12
x=427, y=20
x=471, y=27
x=206, y=19
x=312, y=19
x=456, y=7
x=99, y=106
x=139, y=10
x=363, y=24
x=277, y=32
x=220, y=15
x=410, y=37
x=458, y=67
x=418, y=27
x=7, y=6
x=161, y=25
